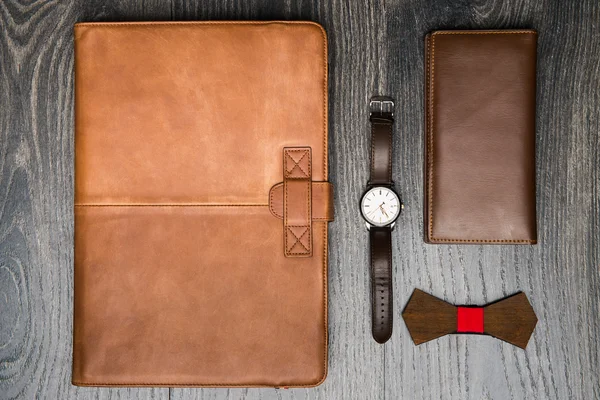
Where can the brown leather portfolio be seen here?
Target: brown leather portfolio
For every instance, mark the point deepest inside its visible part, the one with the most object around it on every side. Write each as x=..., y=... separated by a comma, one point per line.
x=201, y=204
x=480, y=137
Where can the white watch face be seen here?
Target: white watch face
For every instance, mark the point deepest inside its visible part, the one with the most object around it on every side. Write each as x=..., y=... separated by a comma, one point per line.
x=380, y=206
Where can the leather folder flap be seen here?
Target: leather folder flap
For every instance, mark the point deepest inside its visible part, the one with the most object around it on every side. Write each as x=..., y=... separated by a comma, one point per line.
x=164, y=115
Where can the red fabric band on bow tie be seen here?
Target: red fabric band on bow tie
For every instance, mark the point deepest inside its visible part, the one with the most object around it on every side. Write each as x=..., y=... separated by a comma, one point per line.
x=469, y=320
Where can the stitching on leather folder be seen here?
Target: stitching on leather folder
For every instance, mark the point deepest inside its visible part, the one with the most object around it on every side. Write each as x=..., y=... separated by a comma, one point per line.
x=169, y=205
x=278, y=215
x=325, y=115
x=298, y=239
x=289, y=172
x=271, y=205
x=430, y=137
x=325, y=301
x=325, y=231
x=308, y=177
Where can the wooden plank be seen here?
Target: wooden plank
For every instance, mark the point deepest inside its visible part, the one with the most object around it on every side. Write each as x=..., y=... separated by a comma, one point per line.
x=375, y=47
x=36, y=217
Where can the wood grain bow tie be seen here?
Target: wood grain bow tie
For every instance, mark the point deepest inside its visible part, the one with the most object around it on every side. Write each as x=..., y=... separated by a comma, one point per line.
x=511, y=319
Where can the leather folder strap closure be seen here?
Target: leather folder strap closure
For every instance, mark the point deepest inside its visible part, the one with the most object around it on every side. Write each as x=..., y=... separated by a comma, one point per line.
x=321, y=204
x=297, y=201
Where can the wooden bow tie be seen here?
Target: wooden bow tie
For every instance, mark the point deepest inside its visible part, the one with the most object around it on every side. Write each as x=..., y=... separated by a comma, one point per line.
x=511, y=319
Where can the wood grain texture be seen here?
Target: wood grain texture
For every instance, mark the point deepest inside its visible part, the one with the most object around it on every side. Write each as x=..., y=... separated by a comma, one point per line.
x=560, y=274
x=375, y=47
x=511, y=319
x=36, y=202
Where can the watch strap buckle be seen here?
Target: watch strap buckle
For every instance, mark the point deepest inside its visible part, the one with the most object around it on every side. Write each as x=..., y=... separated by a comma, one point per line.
x=374, y=183
x=381, y=105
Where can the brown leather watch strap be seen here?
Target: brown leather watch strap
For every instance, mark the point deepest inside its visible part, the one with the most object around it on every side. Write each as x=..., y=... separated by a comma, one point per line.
x=381, y=149
x=381, y=283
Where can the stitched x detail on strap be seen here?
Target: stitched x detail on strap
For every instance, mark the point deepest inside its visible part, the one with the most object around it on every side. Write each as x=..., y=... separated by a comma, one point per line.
x=297, y=199
x=297, y=164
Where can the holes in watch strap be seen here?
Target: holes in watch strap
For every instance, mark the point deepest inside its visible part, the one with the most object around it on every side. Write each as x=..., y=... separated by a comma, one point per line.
x=383, y=313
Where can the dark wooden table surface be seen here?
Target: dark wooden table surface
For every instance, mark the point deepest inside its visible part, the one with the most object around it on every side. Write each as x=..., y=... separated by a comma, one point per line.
x=375, y=47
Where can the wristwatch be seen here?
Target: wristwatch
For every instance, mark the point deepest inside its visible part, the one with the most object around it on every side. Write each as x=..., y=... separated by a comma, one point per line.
x=380, y=206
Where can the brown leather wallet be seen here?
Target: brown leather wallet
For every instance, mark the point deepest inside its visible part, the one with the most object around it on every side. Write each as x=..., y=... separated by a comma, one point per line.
x=201, y=204
x=480, y=137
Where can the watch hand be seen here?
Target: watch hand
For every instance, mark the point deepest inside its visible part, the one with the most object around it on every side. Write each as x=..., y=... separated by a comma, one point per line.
x=371, y=212
x=383, y=211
